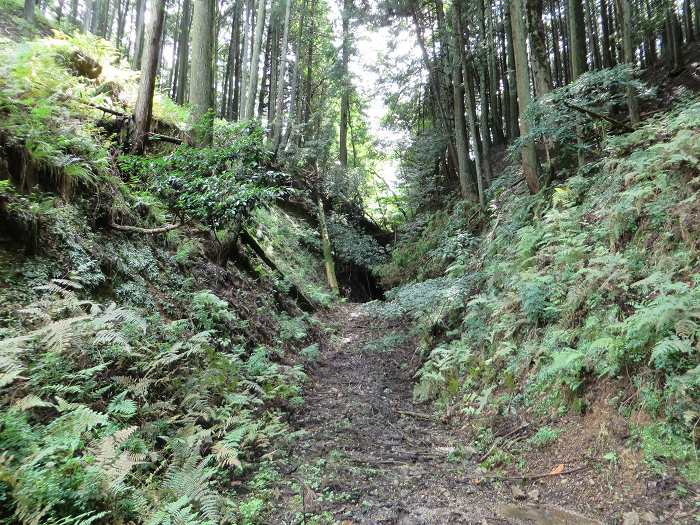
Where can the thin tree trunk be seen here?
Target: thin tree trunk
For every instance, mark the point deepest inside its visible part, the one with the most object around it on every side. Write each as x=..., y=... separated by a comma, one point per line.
x=605, y=26
x=345, y=94
x=277, y=122
x=266, y=71
x=458, y=102
x=626, y=10
x=435, y=87
x=144, y=101
x=29, y=10
x=529, y=156
x=183, y=48
x=512, y=81
x=255, y=59
x=592, y=27
x=138, y=41
x=327, y=247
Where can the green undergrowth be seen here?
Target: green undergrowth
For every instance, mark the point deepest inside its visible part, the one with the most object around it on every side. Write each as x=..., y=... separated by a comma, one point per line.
x=595, y=278
x=295, y=247
x=143, y=378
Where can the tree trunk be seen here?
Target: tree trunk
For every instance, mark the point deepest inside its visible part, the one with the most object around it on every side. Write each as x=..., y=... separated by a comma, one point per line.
x=592, y=30
x=255, y=59
x=201, y=89
x=345, y=94
x=266, y=71
x=74, y=12
x=577, y=39
x=183, y=48
x=29, y=10
x=327, y=247
x=139, y=36
x=121, y=22
x=435, y=87
x=538, y=46
x=605, y=26
x=512, y=81
x=277, y=121
x=626, y=10
x=529, y=156
x=149, y=67
x=458, y=103
x=496, y=116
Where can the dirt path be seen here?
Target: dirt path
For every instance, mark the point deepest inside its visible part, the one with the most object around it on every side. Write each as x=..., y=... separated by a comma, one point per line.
x=368, y=454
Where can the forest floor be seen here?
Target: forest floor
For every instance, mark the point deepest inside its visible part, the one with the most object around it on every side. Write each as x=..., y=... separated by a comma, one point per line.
x=369, y=455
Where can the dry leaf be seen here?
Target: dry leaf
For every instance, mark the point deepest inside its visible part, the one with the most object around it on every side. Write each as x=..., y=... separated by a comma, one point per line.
x=557, y=470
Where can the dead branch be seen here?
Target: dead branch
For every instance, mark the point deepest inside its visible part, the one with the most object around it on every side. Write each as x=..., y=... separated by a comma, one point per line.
x=531, y=476
x=416, y=415
x=600, y=116
x=105, y=109
x=501, y=438
x=156, y=137
x=144, y=231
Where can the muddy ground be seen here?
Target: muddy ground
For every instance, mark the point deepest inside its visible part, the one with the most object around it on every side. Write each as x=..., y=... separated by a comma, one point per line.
x=369, y=455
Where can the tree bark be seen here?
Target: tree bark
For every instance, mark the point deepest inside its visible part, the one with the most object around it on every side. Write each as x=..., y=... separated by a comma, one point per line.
x=201, y=89
x=139, y=32
x=605, y=26
x=345, y=94
x=626, y=10
x=255, y=59
x=577, y=39
x=512, y=81
x=465, y=182
x=538, y=46
x=183, y=48
x=529, y=156
x=277, y=121
x=144, y=101
x=29, y=10
x=328, y=262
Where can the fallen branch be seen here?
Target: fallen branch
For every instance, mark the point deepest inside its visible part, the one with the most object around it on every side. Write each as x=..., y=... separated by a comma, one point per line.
x=531, y=476
x=156, y=137
x=600, y=116
x=417, y=415
x=145, y=231
x=248, y=239
x=501, y=438
x=105, y=109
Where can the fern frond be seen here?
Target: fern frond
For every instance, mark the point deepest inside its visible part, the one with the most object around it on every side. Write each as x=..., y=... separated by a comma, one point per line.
x=30, y=401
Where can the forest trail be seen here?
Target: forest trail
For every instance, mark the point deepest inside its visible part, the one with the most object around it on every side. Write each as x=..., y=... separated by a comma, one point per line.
x=369, y=455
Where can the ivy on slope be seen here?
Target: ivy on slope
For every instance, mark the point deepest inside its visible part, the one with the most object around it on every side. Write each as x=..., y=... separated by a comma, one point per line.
x=597, y=278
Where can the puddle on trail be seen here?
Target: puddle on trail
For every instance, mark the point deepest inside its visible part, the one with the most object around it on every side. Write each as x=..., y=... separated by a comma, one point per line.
x=543, y=515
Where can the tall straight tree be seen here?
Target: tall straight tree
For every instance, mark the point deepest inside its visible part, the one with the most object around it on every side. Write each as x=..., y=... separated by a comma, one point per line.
x=149, y=67
x=625, y=9
x=139, y=33
x=255, y=59
x=465, y=182
x=538, y=46
x=529, y=155
x=345, y=94
x=277, y=120
x=201, y=87
x=183, y=48
x=577, y=39
x=29, y=10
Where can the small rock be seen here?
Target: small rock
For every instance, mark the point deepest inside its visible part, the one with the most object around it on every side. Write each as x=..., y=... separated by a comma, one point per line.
x=517, y=492
x=533, y=494
x=630, y=518
x=649, y=517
